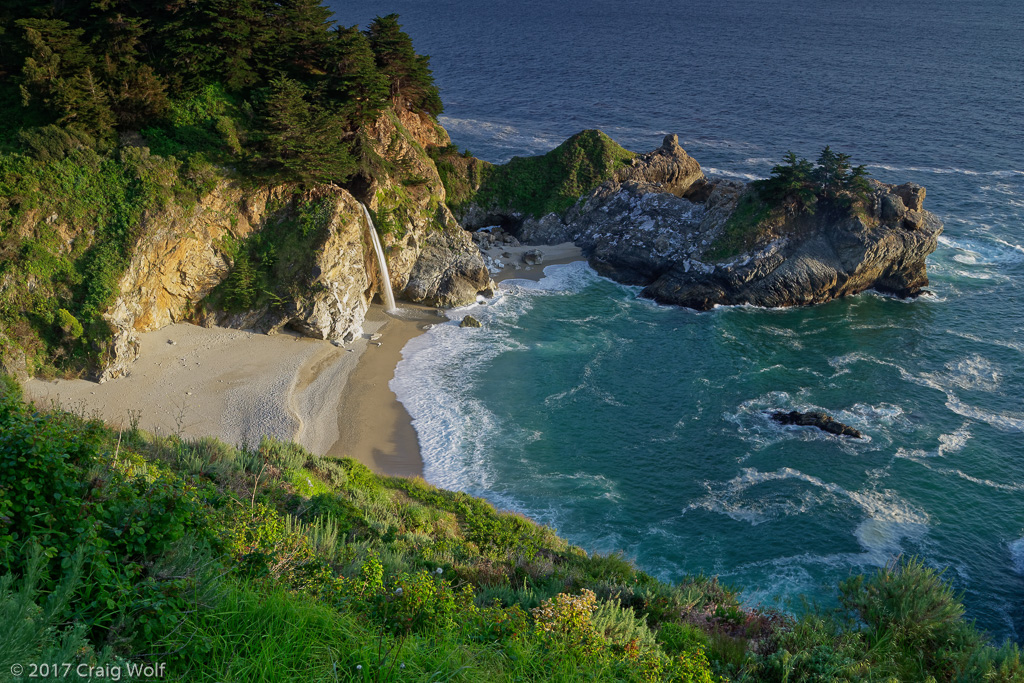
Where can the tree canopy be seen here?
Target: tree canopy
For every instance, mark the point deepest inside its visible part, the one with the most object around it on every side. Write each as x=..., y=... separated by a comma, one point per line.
x=832, y=182
x=268, y=83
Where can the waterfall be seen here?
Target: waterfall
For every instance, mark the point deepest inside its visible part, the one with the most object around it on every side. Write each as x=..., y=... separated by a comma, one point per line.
x=389, y=297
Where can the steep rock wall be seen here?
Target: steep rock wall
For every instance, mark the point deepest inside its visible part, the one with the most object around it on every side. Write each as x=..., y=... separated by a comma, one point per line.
x=182, y=255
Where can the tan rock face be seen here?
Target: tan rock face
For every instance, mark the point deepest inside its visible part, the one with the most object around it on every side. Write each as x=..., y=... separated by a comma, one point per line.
x=180, y=260
x=669, y=167
x=433, y=260
x=180, y=257
x=175, y=264
x=335, y=306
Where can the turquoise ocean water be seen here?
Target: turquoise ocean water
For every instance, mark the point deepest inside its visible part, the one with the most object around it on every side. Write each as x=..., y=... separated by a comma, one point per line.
x=641, y=428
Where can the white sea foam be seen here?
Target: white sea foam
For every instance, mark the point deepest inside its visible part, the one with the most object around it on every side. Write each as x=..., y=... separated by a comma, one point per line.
x=1005, y=343
x=731, y=174
x=889, y=518
x=756, y=426
x=986, y=251
x=946, y=171
x=1000, y=486
x=563, y=278
x=1017, y=555
x=955, y=442
x=948, y=444
x=973, y=372
x=882, y=539
x=1006, y=422
x=502, y=134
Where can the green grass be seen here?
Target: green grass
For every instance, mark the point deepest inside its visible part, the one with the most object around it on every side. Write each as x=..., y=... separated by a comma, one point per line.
x=537, y=185
x=272, y=564
x=748, y=225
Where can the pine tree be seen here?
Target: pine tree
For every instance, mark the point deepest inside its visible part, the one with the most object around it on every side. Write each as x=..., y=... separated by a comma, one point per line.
x=306, y=141
x=219, y=40
x=409, y=73
x=830, y=173
x=791, y=183
x=353, y=79
x=303, y=34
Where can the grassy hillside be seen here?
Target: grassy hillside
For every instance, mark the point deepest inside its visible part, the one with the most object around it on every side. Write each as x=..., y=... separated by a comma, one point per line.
x=122, y=548
x=536, y=185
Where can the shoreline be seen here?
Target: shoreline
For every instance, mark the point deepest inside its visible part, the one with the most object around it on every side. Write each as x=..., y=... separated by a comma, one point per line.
x=238, y=385
x=373, y=425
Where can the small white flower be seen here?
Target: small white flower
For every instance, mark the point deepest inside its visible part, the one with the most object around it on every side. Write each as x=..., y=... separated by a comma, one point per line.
x=439, y=571
x=398, y=591
x=402, y=665
x=359, y=667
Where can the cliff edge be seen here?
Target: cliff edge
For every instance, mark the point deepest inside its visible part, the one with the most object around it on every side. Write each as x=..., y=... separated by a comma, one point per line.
x=658, y=222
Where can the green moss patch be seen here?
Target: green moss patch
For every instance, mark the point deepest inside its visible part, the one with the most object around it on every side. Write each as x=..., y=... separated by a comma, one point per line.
x=537, y=185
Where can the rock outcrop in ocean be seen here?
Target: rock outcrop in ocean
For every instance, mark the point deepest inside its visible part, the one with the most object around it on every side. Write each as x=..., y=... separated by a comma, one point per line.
x=659, y=223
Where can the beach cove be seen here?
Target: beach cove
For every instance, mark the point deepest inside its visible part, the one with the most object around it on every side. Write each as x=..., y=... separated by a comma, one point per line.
x=239, y=386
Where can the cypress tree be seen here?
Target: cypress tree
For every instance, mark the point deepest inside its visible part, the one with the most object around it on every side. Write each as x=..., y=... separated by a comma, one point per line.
x=303, y=36
x=303, y=139
x=353, y=79
x=409, y=73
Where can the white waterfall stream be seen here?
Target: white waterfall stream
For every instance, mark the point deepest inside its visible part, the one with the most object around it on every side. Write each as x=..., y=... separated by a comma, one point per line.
x=388, y=295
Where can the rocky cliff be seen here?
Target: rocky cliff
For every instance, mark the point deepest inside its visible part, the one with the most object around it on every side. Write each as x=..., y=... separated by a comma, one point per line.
x=322, y=286
x=659, y=223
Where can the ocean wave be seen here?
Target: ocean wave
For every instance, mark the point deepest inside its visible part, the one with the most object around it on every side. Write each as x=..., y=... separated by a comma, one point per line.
x=1017, y=555
x=889, y=518
x=721, y=144
x=731, y=174
x=842, y=366
x=501, y=133
x=983, y=252
x=973, y=372
x=1005, y=422
x=587, y=386
x=1011, y=487
x=562, y=278
x=1006, y=173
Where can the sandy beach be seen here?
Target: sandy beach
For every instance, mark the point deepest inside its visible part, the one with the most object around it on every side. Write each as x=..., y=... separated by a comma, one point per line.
x=239, y=386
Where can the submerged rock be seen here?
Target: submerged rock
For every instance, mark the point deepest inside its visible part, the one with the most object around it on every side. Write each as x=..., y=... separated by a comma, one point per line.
x=815, y=419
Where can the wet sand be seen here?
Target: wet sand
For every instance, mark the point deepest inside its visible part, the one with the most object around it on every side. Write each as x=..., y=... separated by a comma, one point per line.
x=239, y=386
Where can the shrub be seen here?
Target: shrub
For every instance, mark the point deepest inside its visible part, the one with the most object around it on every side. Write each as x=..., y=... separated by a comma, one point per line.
x=285, y=454
x=910, y=611
x=35, y=626
x=621, y=627
x=678, y=638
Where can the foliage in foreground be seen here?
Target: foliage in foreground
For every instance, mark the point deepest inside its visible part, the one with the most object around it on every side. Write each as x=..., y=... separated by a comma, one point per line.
x=269, y=564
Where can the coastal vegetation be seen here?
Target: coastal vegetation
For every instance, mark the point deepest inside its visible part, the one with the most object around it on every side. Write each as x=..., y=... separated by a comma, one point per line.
x=121, y=548
x=536, y=185
x=795, y=189
x=112, y=112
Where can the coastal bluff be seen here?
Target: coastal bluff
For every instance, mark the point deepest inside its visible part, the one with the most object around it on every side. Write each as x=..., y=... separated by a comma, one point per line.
x=190, y=262
x=658, y=222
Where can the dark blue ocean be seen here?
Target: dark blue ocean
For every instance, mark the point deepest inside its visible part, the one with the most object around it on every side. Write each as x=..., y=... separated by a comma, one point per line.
x=635, y=427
